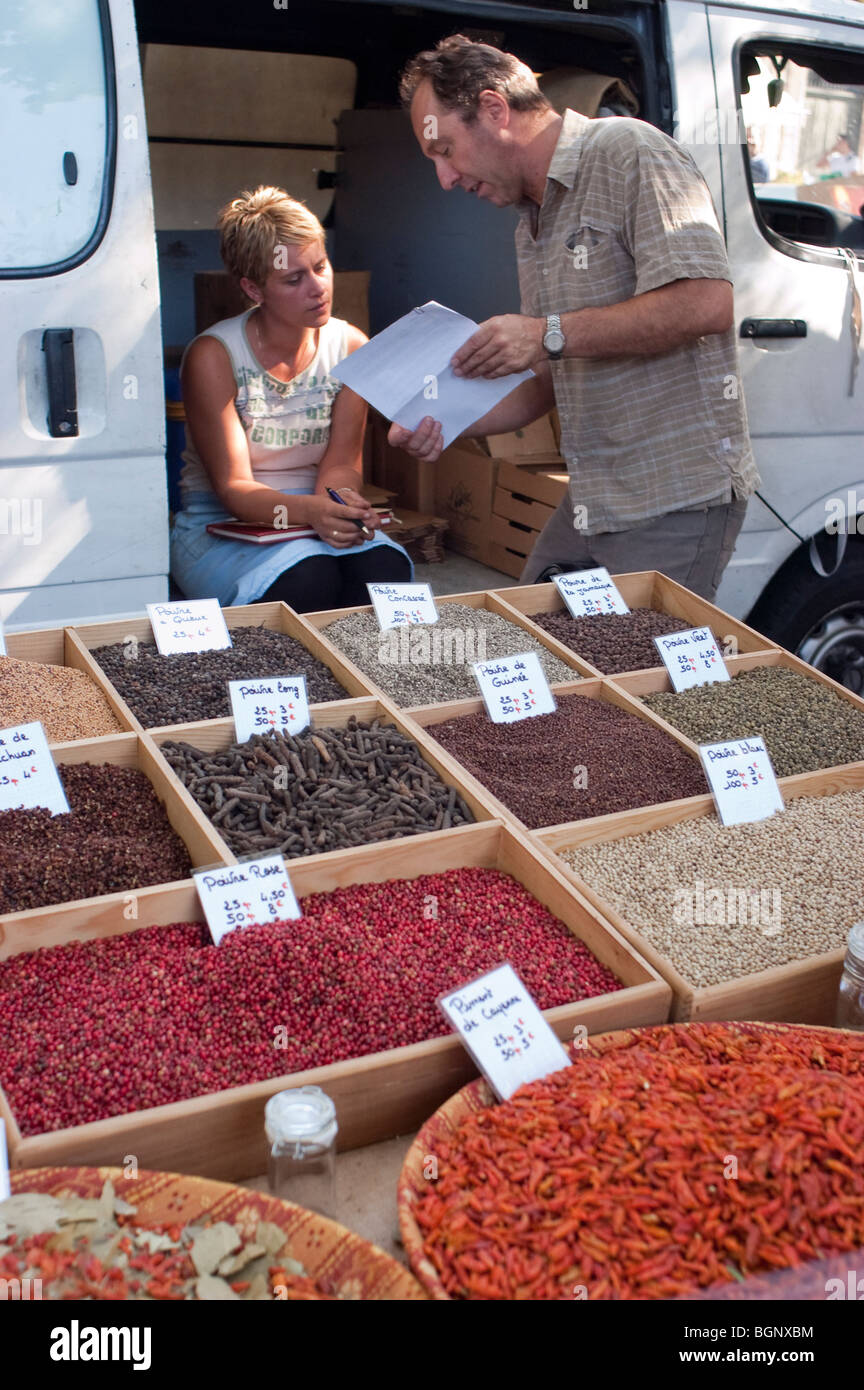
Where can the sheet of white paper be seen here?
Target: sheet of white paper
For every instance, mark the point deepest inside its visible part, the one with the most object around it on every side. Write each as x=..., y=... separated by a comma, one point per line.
x=248, y=894
x=500, y=1024
x=692, y=657
x=279, y=702
x=28, y=773
x=514, y=687
x=398, y=605
x=3, y=651
x=405, y=372
x=742, y=780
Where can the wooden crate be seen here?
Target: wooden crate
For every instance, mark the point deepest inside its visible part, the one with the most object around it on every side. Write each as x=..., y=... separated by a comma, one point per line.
x=278, y=617
x=320, y=621
x=213, y=735
x=425, y=717
x=641, y=683
x=803, y=991
x=650, y=589
x=378, y=1096
x=204, y=845
x=55, y=647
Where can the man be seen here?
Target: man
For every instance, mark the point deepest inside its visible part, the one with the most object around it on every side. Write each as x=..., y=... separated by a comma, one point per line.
x=627, y=317
x=841, y=161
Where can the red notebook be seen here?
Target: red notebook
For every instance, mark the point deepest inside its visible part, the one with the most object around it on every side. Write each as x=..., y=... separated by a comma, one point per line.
x=269, y=535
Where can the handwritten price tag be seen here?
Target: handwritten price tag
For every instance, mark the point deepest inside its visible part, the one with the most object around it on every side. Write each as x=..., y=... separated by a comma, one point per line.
x=742, y=780
x=503, y=1029
x=28, y=776
x=5, y=1185
x=396, y=605
x=192, y=625
x=277, y=703
x=246, y=895
x=514, y=688
x=692, y=658
x=590, y=592
x=3, y=651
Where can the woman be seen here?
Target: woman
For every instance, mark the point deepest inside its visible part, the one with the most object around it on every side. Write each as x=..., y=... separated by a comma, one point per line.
x=268, y=429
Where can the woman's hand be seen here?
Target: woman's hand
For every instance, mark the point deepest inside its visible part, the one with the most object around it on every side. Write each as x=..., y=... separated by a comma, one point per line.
x=333, y=523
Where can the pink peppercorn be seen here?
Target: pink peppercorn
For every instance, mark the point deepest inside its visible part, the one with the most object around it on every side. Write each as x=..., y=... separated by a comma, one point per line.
x=106, y=1027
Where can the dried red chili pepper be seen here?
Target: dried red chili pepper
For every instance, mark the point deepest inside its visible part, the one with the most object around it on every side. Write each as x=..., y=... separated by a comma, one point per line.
x=689, y=1156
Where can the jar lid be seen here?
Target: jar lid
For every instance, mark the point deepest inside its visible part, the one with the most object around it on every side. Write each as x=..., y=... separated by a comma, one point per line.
x=304, y=1112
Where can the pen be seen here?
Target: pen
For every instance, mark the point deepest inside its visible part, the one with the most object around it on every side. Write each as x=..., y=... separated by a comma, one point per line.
x=332, y=493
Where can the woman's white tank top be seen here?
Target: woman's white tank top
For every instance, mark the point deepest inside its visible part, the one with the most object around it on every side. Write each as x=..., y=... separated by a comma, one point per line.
x=287, y=423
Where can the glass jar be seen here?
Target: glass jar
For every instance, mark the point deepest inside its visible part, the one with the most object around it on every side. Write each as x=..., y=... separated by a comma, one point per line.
x=850, y=1002
x=301, y=1128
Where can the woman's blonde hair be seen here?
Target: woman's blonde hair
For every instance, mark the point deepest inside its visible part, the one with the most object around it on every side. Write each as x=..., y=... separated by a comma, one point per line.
x=255, y=224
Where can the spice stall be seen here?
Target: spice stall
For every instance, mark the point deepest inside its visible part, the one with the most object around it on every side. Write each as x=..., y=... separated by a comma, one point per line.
x=426, y=844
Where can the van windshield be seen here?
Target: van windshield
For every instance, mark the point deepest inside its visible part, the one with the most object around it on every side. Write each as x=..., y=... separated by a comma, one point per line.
x=54, y=118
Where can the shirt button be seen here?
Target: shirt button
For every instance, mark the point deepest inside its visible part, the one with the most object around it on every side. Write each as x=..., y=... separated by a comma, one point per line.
x=545, y=271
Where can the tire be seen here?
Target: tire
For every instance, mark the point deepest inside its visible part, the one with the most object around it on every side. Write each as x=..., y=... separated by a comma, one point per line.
x=822, y=620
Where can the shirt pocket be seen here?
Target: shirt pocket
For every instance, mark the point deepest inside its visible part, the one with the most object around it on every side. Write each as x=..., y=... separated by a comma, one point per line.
x=597, y=268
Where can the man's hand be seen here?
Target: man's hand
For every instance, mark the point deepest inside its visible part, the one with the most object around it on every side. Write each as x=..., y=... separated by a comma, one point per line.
x=425, y=442
x=505, y=344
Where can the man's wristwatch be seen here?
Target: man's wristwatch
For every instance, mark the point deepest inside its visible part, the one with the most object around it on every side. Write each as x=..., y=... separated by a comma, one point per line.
x=553, y=338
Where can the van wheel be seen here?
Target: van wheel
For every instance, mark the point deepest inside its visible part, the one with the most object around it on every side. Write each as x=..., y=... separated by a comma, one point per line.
x=822, y=620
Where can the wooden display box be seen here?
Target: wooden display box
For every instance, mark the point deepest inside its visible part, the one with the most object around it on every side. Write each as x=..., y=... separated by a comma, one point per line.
x=278, y=617
x=641, y=683
x=214, y=735
x=649, y=589
x=803, y=991
x=427, y=716
x=542, y=479
x=379, y=1096
x=490, y=600
x=55, y=647
x=21, y=930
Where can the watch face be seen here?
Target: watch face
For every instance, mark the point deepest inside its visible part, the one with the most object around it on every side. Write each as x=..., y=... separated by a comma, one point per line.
x=553, y=341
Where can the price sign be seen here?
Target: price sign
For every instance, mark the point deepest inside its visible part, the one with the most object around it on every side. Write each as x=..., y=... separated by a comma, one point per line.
x=397, y=605
x=588, y=593
x=5, y=1185
x=503, y=1029
x=3, y=651
x=742, y=780
x=514, y=688
x=192, y=625
x=28, y=775
x=277, y=703
x=246, y=895
x=692, y=658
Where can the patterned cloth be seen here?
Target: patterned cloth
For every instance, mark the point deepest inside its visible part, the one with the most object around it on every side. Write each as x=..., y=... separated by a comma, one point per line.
x=625, y=210
x=287, y=427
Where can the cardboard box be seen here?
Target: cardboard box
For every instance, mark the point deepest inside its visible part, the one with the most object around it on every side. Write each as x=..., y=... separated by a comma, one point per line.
x=536, y=438
x=464, y=486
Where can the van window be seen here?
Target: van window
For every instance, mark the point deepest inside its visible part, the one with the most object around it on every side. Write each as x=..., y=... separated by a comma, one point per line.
x=54, y=116
x=804, y=130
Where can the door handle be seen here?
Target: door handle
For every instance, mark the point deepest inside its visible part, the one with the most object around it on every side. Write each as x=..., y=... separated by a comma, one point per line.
x=59, y=348
x=773, y=328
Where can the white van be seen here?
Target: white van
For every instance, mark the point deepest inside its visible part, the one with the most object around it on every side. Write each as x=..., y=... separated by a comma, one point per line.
x=303, y=93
